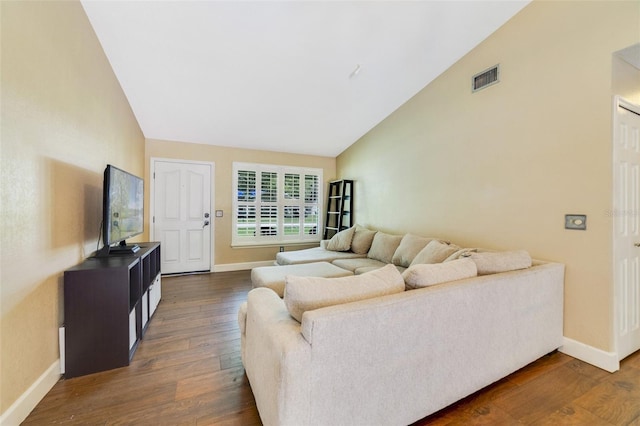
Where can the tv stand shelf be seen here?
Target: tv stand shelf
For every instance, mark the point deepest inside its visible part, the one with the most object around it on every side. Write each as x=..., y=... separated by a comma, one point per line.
x=108, y=302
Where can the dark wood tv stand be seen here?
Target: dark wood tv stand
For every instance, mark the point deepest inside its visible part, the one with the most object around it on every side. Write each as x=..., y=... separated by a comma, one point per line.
x=108, y=302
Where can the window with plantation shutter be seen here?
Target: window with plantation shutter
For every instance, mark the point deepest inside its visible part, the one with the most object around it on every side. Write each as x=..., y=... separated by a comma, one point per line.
x=312, y=199
x=276, y=204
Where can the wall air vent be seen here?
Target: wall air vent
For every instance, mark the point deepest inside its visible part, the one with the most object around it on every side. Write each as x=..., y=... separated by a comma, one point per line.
x=485, y=79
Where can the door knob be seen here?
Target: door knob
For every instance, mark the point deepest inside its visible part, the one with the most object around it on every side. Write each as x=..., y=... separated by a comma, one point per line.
x=206, y=222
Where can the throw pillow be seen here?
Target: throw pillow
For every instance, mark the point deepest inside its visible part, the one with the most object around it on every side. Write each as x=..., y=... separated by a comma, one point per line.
x=383, y=247
x=504, y=261
x=341, y=241
x=303, y=294
x=424, y=275
x=362, y=240
x=434, y=252
x=410, y=245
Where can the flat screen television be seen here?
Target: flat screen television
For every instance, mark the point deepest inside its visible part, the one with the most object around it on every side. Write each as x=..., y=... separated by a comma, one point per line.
x=122, y=210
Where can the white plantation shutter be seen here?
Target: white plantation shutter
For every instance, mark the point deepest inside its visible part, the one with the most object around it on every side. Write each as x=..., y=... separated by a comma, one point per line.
x=311, y=185
x=291, y=220
x=312, y=199
x=269, y=187
x=268, y=204
x=291, y=186
x=291, y=208
x=268, y=220
x=245, y=209
x=276, y=204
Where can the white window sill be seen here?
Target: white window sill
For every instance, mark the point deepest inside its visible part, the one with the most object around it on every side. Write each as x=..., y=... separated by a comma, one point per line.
x=274, y=244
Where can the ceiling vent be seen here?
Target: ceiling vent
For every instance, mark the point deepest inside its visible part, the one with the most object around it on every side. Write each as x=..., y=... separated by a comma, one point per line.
x=485, y=78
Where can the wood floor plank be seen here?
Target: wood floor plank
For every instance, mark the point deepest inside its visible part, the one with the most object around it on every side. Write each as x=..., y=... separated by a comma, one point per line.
x=176, y=358
x=616, y=400
x=632, y=361
x=588, y=370
x=543, y=365
x=545, y=394
x=188, y=371
x=208, y=383
x=572, y=415
x=230, y=360
x=246, y=417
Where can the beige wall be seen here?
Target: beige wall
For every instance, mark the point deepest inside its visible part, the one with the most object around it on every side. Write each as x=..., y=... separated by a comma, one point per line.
x=64, y=117
x=500, y=168
x=223, y=158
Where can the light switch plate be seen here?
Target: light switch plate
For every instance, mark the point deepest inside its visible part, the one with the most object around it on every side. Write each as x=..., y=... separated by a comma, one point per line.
x=575, y=221
x=219, y=213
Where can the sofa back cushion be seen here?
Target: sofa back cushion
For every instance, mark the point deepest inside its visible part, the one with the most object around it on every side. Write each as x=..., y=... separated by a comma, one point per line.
x=409, y=247
x=502, y=261
x=434, y=252
x=384, y=246
x=362, y=239
x=341, y=241
x=427, y=274
x=303, y=294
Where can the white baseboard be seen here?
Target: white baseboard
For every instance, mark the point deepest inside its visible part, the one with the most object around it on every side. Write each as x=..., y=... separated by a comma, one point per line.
x=608, y=361
x=228, y=267
x=20, y=409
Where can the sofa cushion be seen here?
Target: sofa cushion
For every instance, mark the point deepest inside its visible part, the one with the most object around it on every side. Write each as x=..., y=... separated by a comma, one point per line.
x=303, y=294
x=434, y=252
x=273, y=276
x=424, y=275
x=353, y=264
x=362, y=240
x=384, y=246
x=410, y=245
x=315, y=254
x=341, y=241
x=504, y=261
x=365, y=269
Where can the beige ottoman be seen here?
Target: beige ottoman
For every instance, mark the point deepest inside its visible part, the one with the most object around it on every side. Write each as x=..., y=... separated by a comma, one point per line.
x=273, y=276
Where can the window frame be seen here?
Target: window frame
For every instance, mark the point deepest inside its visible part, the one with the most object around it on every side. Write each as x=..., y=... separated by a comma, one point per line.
x=282, y=203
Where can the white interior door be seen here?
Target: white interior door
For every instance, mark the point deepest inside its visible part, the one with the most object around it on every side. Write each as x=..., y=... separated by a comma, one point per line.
x=626, y=213
x=182, y=215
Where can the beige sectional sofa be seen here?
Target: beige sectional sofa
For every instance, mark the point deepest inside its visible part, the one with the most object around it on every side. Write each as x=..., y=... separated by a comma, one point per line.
x=363, y=350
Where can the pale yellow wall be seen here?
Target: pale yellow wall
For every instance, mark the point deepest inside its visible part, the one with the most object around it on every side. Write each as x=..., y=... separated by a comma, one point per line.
x=64, y=117
x=500, y=168
x=223, y=158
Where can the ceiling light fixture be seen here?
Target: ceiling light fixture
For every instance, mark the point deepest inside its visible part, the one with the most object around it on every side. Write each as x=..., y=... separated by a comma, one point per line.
x=355, y=72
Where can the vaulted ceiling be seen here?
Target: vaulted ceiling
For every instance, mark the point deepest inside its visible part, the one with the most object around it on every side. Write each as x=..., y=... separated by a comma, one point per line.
x=308, y=77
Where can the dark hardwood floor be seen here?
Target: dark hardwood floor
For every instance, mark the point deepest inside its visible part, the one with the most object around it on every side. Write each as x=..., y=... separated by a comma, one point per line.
x=187, y=371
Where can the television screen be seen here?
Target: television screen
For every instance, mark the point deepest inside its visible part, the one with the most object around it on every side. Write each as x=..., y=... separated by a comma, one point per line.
x=123, y=204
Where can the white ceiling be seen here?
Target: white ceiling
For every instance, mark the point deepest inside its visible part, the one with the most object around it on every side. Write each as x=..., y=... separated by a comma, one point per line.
x=276, y=75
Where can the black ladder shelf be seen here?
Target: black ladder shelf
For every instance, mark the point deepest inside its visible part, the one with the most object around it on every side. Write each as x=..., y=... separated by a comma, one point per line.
x=339, y=207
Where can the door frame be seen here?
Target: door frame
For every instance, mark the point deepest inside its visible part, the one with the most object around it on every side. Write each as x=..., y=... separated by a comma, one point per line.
x=618, y=102
x=152, y=163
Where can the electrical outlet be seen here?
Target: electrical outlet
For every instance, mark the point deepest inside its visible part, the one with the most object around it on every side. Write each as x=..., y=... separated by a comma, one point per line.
x=575, y=221
x=281, y=248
